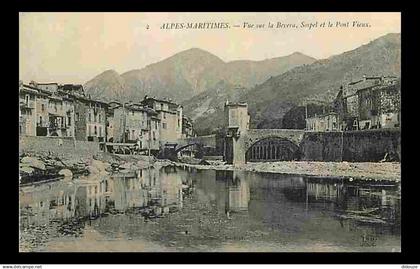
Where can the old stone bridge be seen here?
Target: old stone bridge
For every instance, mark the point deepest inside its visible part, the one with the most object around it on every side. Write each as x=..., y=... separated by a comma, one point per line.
x=201, y=145
x=267, y=144
x=245, y=145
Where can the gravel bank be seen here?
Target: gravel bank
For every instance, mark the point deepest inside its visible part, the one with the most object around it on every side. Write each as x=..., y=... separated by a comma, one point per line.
x=378, y=171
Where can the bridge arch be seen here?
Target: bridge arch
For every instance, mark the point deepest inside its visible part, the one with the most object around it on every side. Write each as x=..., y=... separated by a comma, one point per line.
x=178, y=149
x=271, y=148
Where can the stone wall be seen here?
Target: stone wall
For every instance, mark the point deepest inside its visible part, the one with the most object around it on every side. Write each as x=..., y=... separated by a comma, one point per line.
x=352, y=146
x=321, y=146
x=69, y=147
x=371, y=145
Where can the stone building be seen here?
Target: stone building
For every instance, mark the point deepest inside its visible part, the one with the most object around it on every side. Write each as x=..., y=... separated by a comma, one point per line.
x=60, y=116
x=90, y=118
x=134, y=123
x=42, y=113
x=323, y=123
x=369, y=103
x=110, y=120
x=236, y=116
x=170, y=116
x=27, y=110
x=45, y=113
x=89, y=114
x=187, y=127
x=51, y=87
x=379, y=105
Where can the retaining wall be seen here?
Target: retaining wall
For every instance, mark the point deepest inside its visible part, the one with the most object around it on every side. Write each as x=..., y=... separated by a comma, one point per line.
x=68, y=147
x=352, y=146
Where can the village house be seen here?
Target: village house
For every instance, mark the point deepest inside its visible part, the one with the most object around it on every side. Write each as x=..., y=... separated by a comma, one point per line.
x=187, y=127
x=323, y=123
x=51, y=87
x=134, y=123
x=60, y=116
x=110, y=120
x=369, y=103
x=89, y=114
x=27, y=110
x=379, y=107
x=90, y=118
x=170, y=116
x=51, y=109
x=373, y=102
x=44, y=113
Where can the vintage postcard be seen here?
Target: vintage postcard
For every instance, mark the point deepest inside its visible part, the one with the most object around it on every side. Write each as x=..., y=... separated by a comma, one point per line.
x=209, y=132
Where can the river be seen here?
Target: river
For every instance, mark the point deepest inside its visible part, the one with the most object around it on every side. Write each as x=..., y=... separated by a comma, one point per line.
x=176, y=210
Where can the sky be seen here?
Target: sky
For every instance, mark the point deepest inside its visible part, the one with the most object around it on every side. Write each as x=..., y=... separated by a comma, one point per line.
x=75, y=47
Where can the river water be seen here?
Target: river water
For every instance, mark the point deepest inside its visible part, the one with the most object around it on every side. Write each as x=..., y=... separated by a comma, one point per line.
x=174, y=209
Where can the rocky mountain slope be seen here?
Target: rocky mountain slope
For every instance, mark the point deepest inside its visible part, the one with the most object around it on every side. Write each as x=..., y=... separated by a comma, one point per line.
x=318, y=82
x=321, y=80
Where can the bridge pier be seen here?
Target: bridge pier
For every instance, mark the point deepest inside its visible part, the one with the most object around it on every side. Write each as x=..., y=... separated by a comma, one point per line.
x=234, y=150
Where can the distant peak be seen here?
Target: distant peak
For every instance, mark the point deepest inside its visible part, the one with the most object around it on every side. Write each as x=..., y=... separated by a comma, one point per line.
x=297, y=53
x=300, y=54
x=194, y=51
x=109, y=71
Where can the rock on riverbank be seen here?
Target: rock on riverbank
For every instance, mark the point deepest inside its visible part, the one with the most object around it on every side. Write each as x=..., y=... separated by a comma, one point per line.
x=36, y=167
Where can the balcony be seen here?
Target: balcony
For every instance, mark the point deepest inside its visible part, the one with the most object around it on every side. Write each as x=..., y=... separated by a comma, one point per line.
x=27, y=105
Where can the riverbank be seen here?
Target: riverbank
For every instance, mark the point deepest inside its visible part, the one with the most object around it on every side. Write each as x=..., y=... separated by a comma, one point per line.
x=36, y=167
x=365, y=171
x=42, y=167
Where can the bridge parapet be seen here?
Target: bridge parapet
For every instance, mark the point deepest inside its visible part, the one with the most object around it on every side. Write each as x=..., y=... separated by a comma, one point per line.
x=254, y=135
x=207, y=140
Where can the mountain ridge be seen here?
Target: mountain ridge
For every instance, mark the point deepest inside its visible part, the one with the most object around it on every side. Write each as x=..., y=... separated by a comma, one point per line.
x=186, y=74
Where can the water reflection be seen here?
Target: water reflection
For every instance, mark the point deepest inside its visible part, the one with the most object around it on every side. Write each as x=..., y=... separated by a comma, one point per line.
x=159, y=190
x=285, y=207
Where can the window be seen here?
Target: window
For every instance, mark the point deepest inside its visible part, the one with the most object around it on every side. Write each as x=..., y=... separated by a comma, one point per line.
x=27, y=100
x=90, y=130
x=164, y=125
x=164, y=115
x=95, y=131
x=99, y=118
x=40, y=120
x=42, y=107
x=154, y=136
x=77, y=117
x=100, y=131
